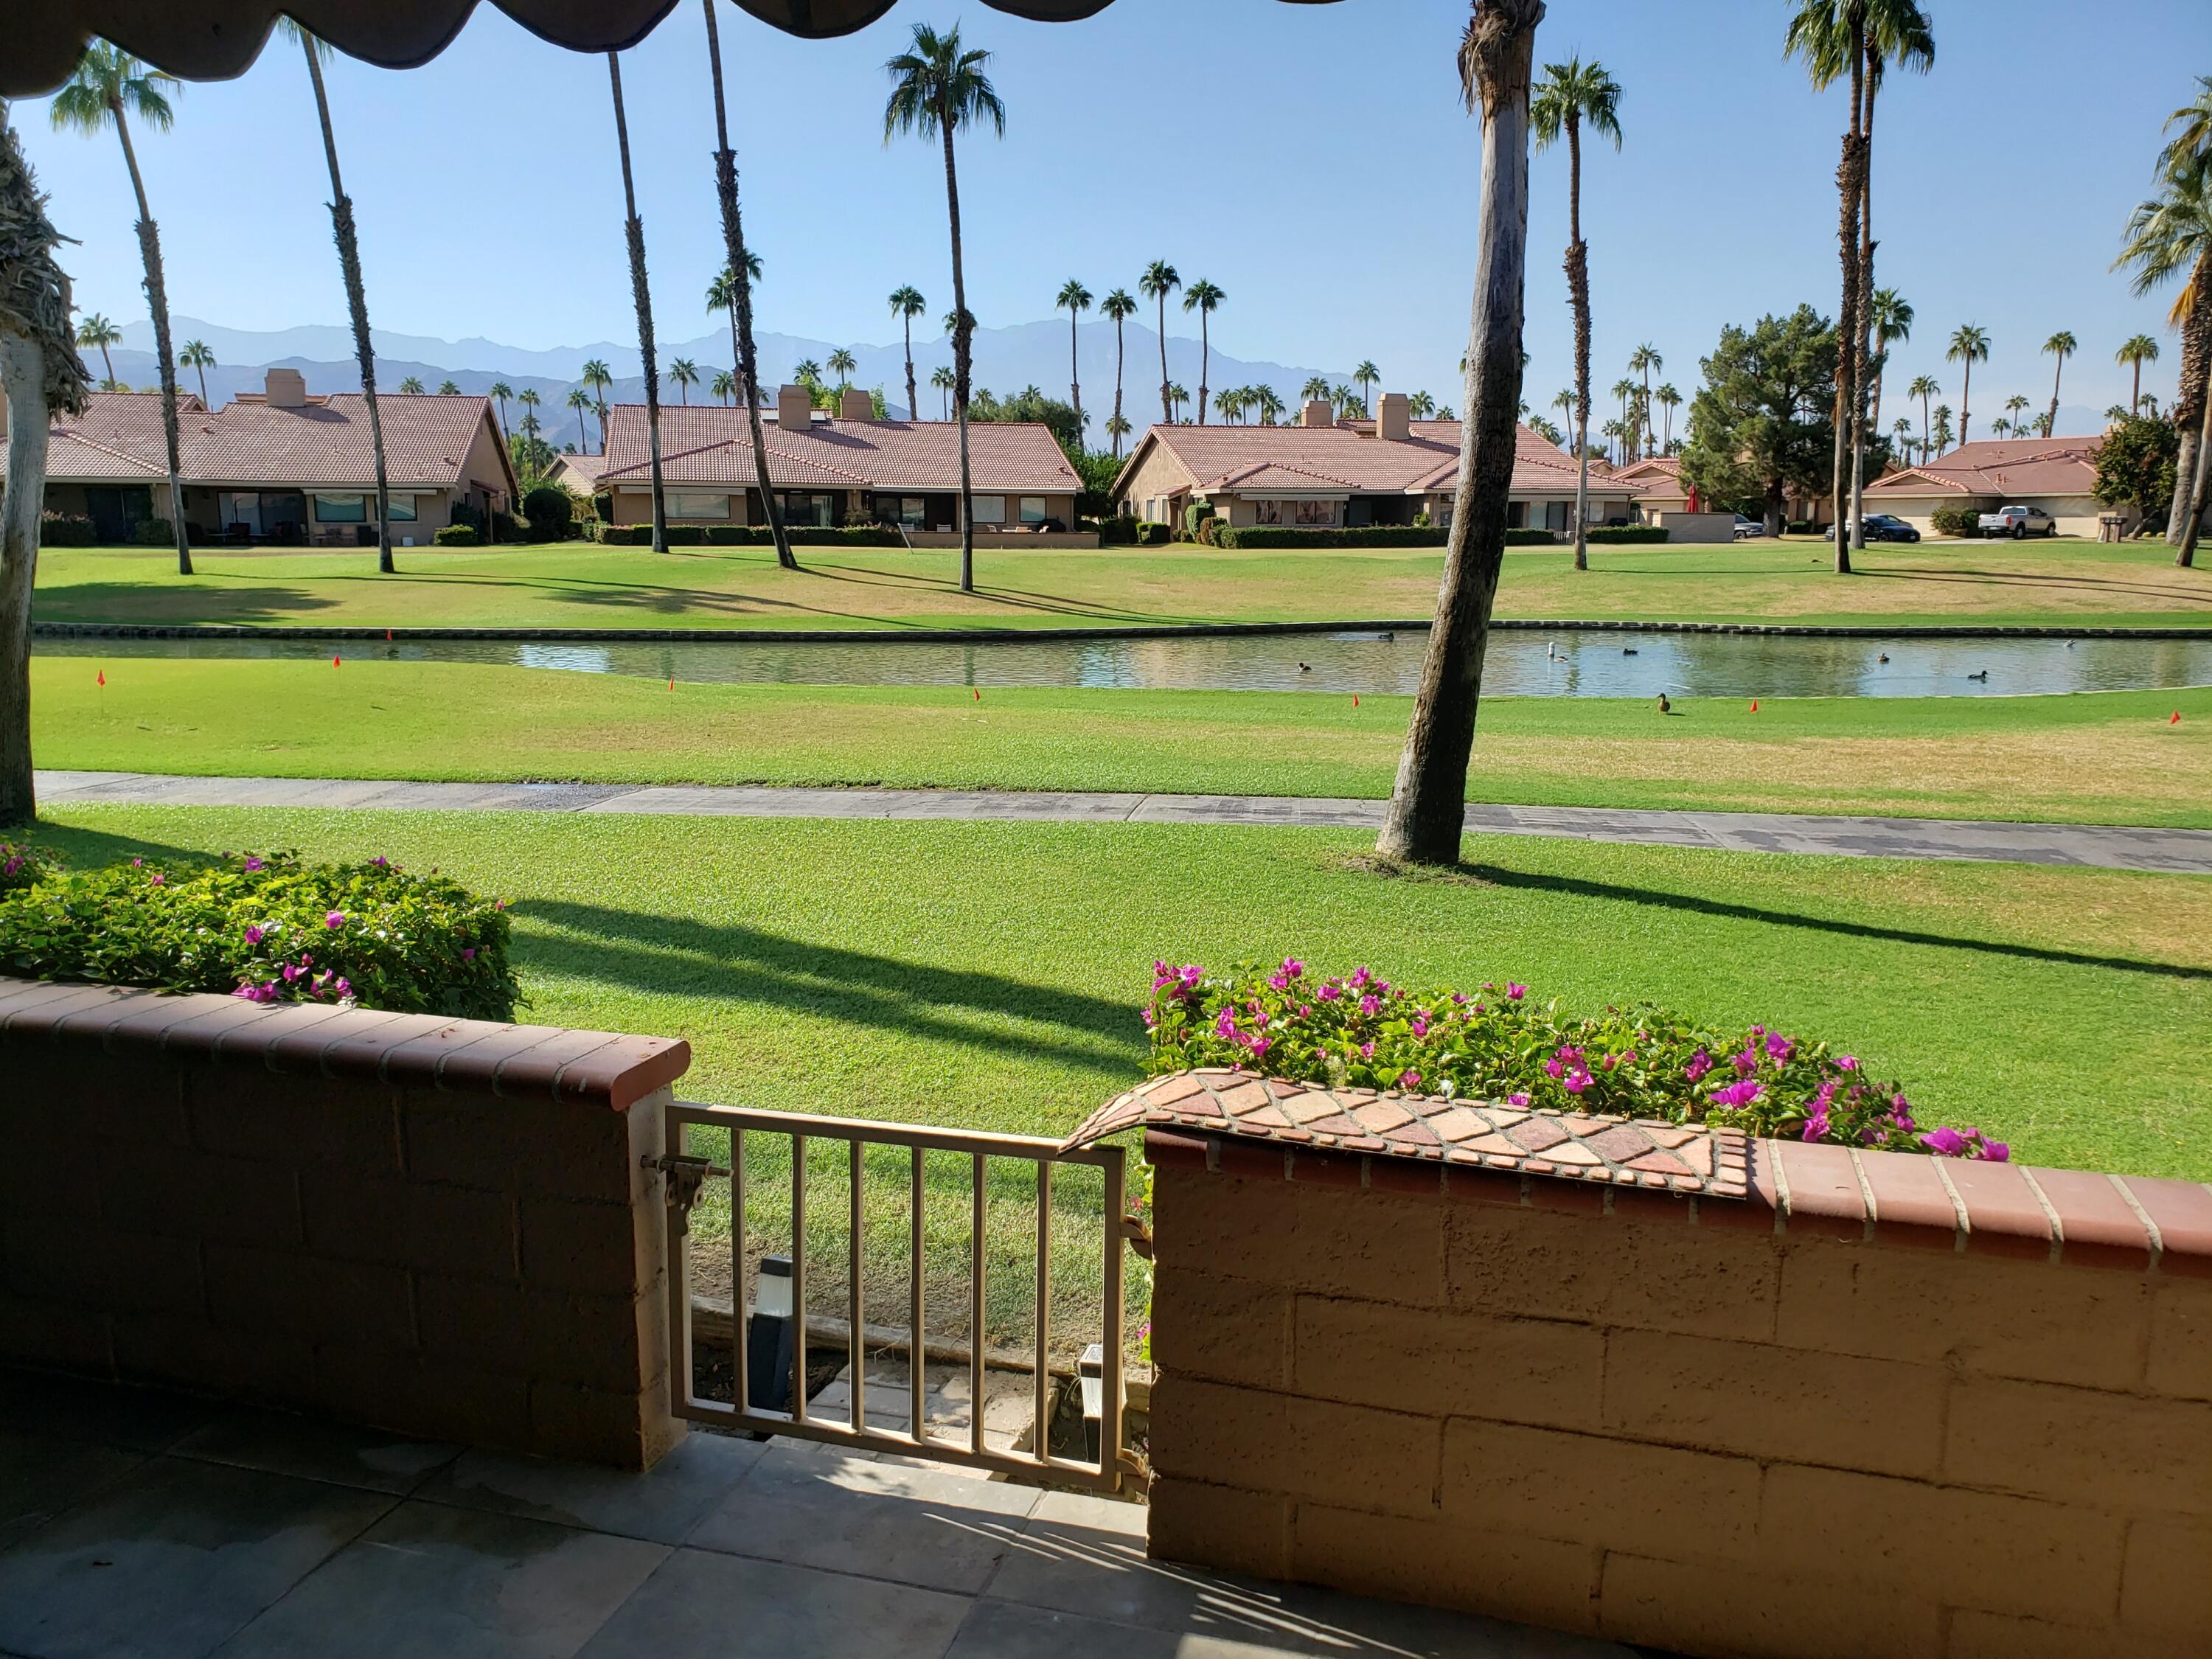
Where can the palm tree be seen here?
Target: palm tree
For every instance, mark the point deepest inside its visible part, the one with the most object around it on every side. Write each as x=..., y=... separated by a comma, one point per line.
x=1969, y=345
x=685, y=374
x=1670, y=400
x=580, y=401
x=2014, y=405
x=109, y=86
x=1270, y=405
x=1901, y=431
x=1428, y=802
x=449, y=388
x=1890, y=316
x=1118, y=306
x=412, y=386
x=1420, y=406
x=1205, y=299
x=907, y=304
x=195, y=356
x=529, y=399
x=2165, y=235
x=938, y=89
x=744, y=267
x=1367, y=375
x=1623, y=389
x=1924, y=387
x=1350, y=405
x=1228, y=404
x=97, y=330
x=723, y=385
x=1177, y=396
x=641, y=297
x=941, y=377
x=499, y=392
x=1074, y=299
x=1940, y=438
x=597, y=377
x=808, y=373
x=1317, y=390
x=842, y=364
x=1116, y=428
x=2134, y=352
x=2060, y=345
x=722, y=295
x=1571, y=94
x=1159, y=280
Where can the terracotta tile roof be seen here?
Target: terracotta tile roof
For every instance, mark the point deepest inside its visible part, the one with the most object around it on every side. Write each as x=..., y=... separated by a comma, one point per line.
x=1347, y=456
x=707, y=443
x=1469, y=1135
x=579, y=472
x=2016, y=468
x=118, y=438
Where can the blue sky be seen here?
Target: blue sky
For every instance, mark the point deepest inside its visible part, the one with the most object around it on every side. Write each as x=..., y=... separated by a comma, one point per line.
x=1314, y=161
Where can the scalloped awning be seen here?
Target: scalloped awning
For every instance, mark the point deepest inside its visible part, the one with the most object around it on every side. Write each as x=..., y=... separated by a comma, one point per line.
x=215, y=40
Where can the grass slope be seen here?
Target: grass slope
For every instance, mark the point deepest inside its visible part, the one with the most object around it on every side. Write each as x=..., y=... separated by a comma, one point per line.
x=582, y=585
x=2093, y=758
x=989, y=974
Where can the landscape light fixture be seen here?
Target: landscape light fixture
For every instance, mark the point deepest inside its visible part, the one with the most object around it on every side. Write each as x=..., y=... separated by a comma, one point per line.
x=769, y=1338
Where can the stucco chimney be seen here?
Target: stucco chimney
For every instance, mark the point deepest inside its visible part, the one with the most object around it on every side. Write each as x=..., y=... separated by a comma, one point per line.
x=855, y=405
x=286, y=388
x=1394, y=416
x=794, y=408
x=1317, y=413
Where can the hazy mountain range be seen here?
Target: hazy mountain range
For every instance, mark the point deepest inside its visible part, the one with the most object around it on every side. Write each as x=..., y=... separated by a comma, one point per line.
x=1006, y=361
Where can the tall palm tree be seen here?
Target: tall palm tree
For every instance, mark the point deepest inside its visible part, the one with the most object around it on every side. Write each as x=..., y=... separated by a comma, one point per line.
x=808, y=373
x=1623, y=389
x=1205, y=299
x=1564, y=401
x=1118, y=306
x=2014, y=405
x=2164, y=236
x=1116, y=428
x=842, y=364
x=1270, y=405
x=1428, y=802
x=1924, y=387
x=1074, y=299
x=499, y=392
x=1890, y=316
x=1670, y=400
x=108, y=87
x=1366, y=374
x=1569, y=95
x=1939, y=438
x=1420, y=406
x=1317, y=389
x=2060, y=345
x=1160, y=280
x=641, y=297
x=449, y=388
x=722, y=295
x=938, y=90
x=195, y=356
x=941, y=377
x=1969, y=345
x=743, y=269
x=685, y=374
x=2134, y=352
x=1643, y=360
x=1228, y=404
x=723, y=385
x=597, y=377
x=907, y=304
x=96, y=329
x=1178, y=395
x=1901, y=434
x=529, y=398
x=580, y=401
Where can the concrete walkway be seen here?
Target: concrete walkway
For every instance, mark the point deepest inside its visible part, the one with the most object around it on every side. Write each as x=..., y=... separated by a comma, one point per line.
x=2182, y=850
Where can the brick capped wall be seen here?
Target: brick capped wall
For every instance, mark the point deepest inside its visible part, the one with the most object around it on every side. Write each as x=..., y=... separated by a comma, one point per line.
x=1879, y=1408
x=439, y=1227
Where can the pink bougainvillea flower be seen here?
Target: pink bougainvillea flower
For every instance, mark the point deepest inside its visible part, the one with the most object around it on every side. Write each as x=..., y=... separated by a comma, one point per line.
x=254, y=936
x=1740, y=1093
x=1780, y=1048
x=1369, y=1004
x=1293, y=967
x=1367, y=1051
x=137, y=863
x=334, y=918
x=253, y=864
x=1553, y=1067
x=1516, y=1100
x=1944, y=1143
x=1409, y=1079
x=1421, y=1025
x=1330, y=991
x=469, y=954
x=1847, y=1063
x=381, y=862
x=1513, y=993
x=157, y=879
x=1359, y=978
x=1996, y=1151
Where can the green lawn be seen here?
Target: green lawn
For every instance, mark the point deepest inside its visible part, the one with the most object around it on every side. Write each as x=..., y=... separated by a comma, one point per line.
x=989, y=974
x=2093, y=757
x=585, y=585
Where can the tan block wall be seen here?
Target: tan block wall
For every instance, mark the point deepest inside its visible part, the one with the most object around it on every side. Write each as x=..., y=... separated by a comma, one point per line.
x=1696, y=527
x=442, y=1262
x=1671, y=1424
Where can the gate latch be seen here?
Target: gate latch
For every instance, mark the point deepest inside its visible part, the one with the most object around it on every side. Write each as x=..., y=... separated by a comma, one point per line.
x=686, y=1176
x=1137, y=1235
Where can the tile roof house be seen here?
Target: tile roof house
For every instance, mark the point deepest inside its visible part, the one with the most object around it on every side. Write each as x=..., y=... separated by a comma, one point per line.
x=278, y=465
x=829, y=472
x=2059, y=474
x=1324, y=472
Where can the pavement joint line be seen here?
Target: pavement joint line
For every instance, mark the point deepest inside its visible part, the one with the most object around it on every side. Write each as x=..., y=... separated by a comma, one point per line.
x=2120, y=846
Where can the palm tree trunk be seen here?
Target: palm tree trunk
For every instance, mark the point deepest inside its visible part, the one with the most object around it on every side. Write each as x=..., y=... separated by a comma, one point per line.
x=1965, y=401
x=1117, y=388
x=1428, y=802
x=1862, y=370
x=157, y=297
x=1167, y=408
x=2187, y=556
x=1847, y=317
x=108, y=361
x=23, y=379
x=633, y=231
x=1578, y=297
x=202, y=373
x=2135, y=397
x=2191, y=399
x=1075, y=378
x=962, y=344
x=1205, y=353
x=913, y=398
x=342, y=227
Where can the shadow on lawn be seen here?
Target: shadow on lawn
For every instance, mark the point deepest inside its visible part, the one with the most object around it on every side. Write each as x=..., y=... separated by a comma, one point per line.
x=152, y=602
x=676, y=956
x=1574, y=887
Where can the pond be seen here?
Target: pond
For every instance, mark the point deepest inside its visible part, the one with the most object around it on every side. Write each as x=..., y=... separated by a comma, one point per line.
x=1587, y=663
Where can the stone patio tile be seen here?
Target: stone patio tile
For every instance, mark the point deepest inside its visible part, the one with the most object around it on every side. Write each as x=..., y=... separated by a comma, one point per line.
x=171, y=1561
x=888, y=1520
x=135, y=1419
x=663, y=1505
x=40, y=1478
x=700, y=1604
x=281, y=1443
x=431, y=1580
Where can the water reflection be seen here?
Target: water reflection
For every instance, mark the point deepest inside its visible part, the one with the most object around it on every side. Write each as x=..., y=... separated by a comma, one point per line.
x=1568, y=663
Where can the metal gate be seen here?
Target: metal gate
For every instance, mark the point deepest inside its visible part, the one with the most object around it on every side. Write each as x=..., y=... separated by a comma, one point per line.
x=687, y=1174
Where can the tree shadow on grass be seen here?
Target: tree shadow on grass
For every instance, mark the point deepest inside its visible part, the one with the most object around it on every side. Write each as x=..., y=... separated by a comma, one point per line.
x=1574, y=887
x=675, y=954
x=179, y=605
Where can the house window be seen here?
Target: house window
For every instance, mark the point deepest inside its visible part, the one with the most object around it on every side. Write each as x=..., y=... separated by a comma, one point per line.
x=341, y=509
x=1032, y=509
x=403, y=509
x=908, y=511
x=990, y=509
x=681, y=506
x=1267, y=513
x=1517, y=515
x=815, y=511
x=1317, y=513
x=1555, y=515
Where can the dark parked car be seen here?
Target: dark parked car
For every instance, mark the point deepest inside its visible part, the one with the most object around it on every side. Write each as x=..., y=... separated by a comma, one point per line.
x=1881, y=527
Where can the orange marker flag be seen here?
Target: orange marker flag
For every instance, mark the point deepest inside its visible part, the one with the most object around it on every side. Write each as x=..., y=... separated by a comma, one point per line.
x=2174, y=720
x=103, y=684
x=1755, y=705
x=334, y=660
x=387, y=636
x=671, y=682
x=1355, y=700
x=978, y=690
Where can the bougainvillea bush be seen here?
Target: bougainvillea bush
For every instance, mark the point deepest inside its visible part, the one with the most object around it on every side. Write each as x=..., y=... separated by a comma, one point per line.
x=21, y=868
x=269, y=928
x=1498, y=1043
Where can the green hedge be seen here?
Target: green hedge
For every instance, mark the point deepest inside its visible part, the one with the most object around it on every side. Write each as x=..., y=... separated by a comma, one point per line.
x=1380, y=535
x=1632, y=533
x=746, y=535
x=458, y=535
x=266, y=928
x=66, y=530
x=1956, y=521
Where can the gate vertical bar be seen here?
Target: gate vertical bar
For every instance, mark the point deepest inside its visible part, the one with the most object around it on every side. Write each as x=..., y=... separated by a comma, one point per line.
x=976, y=1317
x=856, y=1347
x=1042, y=1379
x=679, y=1280
x=799, y=1278
x=1109, y=1418
x=738, y=1358
x=915, y=1381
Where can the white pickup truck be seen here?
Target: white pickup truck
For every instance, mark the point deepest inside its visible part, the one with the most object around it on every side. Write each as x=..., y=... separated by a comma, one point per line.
x=2018, y=522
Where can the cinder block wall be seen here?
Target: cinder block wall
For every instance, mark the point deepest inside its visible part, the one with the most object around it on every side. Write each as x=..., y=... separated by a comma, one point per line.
x=1849, y=1417
x=440, y=1227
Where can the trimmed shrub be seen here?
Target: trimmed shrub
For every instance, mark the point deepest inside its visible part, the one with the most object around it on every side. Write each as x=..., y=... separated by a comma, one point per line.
x=457, y=535
x=1532, y=539
x=1495, y=1045
x=269, y=929
x=154, y=532
x=1117, y=531
x=1956, y=521
x=1152, y=535
x=1631, y=532
x=1195, y=515
x=1379, y=535
x=746, y=535
x=548, y=508
x=65, y=529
